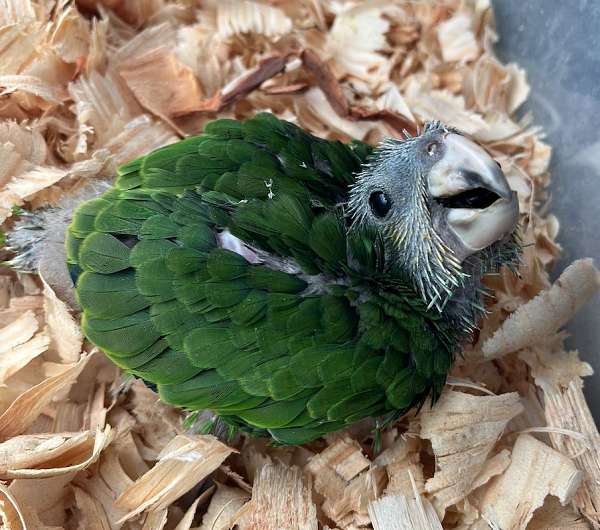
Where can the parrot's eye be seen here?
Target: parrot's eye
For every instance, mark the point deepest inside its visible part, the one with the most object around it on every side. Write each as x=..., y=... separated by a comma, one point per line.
x=380, y=203
x=432, y=148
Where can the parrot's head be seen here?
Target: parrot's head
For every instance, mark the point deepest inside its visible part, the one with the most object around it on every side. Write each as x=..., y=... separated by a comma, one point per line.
x=443, y=207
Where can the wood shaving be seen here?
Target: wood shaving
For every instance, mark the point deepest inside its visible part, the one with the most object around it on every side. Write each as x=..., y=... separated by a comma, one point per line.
x=174, y=93
x=184, y=462
x=457, y=40
x=48, y=455
x=243, y=17
x=25, y=409
x=91, y=84
x=541, y=317
x=535, y=472
x=463, y=429
x=403, y=513
x=223, y=510
x=20, y=344
x=64, y=332
x=281, y=498
x=553, y=516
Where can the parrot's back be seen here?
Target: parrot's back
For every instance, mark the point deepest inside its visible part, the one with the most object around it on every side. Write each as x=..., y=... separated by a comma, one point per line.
x=224, y=270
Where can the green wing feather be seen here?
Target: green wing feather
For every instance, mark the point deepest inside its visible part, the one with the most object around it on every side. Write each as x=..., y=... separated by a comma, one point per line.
x=296, y=352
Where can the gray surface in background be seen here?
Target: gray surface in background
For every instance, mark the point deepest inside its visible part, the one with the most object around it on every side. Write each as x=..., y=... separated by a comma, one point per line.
x=558, y=44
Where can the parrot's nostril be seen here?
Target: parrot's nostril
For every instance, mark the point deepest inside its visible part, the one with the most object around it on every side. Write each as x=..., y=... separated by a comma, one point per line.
x=477, y=198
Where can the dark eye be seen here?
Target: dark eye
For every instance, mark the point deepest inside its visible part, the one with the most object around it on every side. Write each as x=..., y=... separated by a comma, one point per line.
x=380, y=203
x=432, y=148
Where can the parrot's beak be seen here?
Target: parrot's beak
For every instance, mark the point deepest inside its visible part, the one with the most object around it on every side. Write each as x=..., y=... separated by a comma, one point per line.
x=471, y=187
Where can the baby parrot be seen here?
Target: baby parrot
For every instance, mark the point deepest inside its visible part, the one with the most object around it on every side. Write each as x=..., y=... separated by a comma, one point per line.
x=290, y=284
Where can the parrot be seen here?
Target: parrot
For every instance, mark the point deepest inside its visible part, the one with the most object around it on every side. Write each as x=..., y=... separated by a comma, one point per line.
x=289, y=284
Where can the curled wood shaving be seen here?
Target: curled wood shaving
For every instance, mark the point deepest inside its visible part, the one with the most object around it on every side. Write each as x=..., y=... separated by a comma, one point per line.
x=90, y=510
x=65, y=334
x=536, y=471
x=566, y=408
x=541, y=317
x=463, y=430
x=26, y=185
x=456, y=38
x=28, y=406
x=224, y=506
x=343, y=477
x=105, y=485
x=344, y=457
x=156, y=423
x=314, y=111
x=442, y=105
x=48, y=455
x=182, y=464
x=403, y=467
x=399, y=512
x=553, y=516
x=135, y=12
x=361, y=58
x=244, y=17
x=332, y=89
x=155, y=520
x=20, y=343
x=32, y=85
x=186, y=521
x=10, y=511
x=552, y=367
x=281, y=499
x=42, y=501
x=175, y=92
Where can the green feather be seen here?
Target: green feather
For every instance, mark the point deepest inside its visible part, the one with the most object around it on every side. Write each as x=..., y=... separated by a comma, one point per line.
x=121, y=337
x=275, y=414
x=209, y=346
x=103, y=253
x=110, y=296
x=226, y=265
x=169, y=368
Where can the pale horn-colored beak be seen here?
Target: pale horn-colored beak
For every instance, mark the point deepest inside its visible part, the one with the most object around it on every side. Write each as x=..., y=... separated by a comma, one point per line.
x=470, y=185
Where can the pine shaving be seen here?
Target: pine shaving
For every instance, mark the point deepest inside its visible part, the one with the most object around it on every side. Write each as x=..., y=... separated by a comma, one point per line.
x=20, y=344
x=457, y=39
x=90, y=510
x=540, y=318
x=29, y=405
x=535, y=472
x=239, y=17
x=224, y=506
x=553, y=516
x=400, y=512
x=182, y=464
x=463, y=429
x=48, y=455
x=11, y=513
x=403, y=467
x=174, y=93
x=188, y=518
x=65, y=334
x=281, y=499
